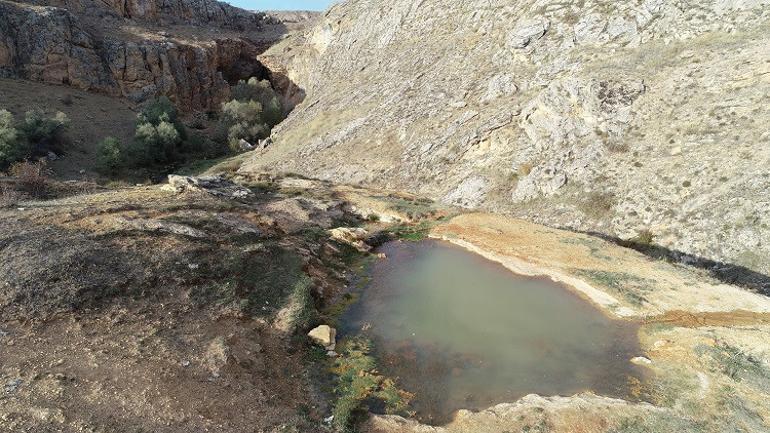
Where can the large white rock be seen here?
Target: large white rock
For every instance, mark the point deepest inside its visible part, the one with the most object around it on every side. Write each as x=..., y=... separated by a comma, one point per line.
x=325, y=336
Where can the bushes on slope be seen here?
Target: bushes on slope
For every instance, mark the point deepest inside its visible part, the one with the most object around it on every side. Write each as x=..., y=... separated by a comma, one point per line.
x=34, y=135
x=252, y=113
x=160, y=142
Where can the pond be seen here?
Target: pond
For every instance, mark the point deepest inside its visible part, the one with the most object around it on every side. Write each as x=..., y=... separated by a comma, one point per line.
x=462, y=332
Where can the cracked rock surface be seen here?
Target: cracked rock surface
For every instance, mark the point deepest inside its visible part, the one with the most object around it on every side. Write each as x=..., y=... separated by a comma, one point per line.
x=609, y=116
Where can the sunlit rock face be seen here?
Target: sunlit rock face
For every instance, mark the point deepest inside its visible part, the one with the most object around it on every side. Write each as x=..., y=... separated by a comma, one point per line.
x=190, y=51
x=605, y=116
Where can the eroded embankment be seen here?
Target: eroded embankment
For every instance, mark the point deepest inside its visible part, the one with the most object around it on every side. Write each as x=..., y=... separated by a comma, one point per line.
x=705, y=342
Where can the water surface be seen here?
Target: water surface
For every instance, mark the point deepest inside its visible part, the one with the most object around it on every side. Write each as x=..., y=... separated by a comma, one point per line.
x=462, y=332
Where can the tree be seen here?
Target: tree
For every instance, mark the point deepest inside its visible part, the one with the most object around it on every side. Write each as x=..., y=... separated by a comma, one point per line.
x=12, y=145
x=109, y=155
x=245, y=122
x=254, y=110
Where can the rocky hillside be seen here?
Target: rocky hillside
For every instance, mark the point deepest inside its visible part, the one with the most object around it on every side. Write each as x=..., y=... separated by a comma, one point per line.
x=621, y=117
x=190, y=50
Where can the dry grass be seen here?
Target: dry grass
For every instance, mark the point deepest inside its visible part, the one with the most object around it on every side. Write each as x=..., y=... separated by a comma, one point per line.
x=32, y=178
x=9, y=196
x=598, y=204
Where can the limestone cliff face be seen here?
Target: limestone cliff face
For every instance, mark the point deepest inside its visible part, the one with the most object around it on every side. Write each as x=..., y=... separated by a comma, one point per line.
x=119, y=49
x=613, y=116
x=188, y=12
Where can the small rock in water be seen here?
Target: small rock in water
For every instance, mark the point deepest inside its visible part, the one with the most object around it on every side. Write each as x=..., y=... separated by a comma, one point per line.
x=325, y=336
x=641, y=360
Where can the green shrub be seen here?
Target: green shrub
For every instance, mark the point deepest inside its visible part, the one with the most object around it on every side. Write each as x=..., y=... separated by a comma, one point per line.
x=262, y=92
x=159, y=110
x=109, y=155
x=245, y=122
x=644, y=237
x=159, y=136
x=41, y=131
x=156, y=144
x=34, y=135
x=13, y=147
x=254, y=110
x=160, y=141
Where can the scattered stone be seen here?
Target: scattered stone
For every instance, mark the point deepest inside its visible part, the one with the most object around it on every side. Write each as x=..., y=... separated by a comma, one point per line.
x=217, y=356
x=527, y=32
x=47, y=414
x=325, y=336
x=214, y=185
x=12, y=385
x=499, y=86
x=239, y=224
x=152, y=225
x=641, y=360
x=676, y=151
x=245, y=145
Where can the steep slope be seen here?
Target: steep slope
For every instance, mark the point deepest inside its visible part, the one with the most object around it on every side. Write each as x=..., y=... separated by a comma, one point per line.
x=191, y=50
x=616, y=117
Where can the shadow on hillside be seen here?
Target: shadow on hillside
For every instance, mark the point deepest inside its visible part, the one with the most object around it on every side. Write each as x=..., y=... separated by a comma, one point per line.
x=725, y=272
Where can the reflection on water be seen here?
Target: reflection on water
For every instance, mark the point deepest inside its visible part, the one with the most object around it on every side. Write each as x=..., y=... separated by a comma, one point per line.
x=460, y=331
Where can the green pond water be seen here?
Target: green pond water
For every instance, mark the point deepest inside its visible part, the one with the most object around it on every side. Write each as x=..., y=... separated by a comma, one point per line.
x=462, y=332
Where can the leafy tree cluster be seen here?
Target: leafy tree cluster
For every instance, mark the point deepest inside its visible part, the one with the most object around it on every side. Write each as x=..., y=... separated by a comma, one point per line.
x=160, y=141
x=252, y=113
x=34, y=135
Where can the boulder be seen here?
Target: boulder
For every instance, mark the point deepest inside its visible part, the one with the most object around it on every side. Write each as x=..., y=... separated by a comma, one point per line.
x=353, y=236
x=325, y=336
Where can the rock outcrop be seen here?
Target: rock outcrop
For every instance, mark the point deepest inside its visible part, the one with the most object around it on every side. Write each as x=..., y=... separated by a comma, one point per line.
x=118, y=48
x=165, y=12
x=614, y=117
